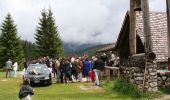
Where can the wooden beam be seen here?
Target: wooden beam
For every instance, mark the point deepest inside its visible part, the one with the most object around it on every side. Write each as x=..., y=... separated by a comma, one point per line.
x=132, y=35
x=137, y=60
x=168, y=25
x=146, y=26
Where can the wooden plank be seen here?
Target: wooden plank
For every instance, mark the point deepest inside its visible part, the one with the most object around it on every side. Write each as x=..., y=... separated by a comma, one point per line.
x=168, y=25
x=108, y=68
x=132, y=35
x=146, y=26
x=137, y=60
x=108, y=75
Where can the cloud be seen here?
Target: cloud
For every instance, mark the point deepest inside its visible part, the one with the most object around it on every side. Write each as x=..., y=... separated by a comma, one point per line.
x=80, y=21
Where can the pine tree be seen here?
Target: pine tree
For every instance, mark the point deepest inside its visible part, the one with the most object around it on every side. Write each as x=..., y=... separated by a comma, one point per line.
x=47, y=37
x=10, y=42
x=29, y=50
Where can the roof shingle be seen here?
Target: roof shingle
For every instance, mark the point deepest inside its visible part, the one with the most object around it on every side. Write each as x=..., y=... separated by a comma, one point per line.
x=158, y=24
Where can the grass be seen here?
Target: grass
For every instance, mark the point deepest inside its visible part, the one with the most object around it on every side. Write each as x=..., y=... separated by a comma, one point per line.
x=165, y=90
x=131, y=92
x=9, y=89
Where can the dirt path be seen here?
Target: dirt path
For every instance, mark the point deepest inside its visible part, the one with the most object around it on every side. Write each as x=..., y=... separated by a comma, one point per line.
x=89, y=87
x=165, y=97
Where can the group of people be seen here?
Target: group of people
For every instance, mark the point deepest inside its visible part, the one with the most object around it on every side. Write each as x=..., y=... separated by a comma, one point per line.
x=72, y=68
x=11, y=66
x=68, y=69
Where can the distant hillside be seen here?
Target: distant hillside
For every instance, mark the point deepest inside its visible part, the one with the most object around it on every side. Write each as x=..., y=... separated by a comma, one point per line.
x=72, y=47
x=91, y=50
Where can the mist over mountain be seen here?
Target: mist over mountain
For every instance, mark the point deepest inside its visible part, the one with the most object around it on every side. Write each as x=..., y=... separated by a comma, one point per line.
x=74, y=47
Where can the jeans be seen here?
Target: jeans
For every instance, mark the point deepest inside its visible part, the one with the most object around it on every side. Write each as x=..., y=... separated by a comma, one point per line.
x=80, y=77
x=58, y=75
x=96, y=71
x=8, y=73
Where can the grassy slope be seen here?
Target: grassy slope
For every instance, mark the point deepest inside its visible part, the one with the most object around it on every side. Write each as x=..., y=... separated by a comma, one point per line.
x=9, y=91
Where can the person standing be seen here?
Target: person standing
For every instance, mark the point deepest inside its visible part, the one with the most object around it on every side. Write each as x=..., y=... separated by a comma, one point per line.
x=79, y=68
x=25, y=65
x=49, y=64
x=67, y=70
x=61, y=70
x=57, y=69
x=104, y=58
x=8, y=68
x=97, y=66
x=74, y=73
x=87, y=67
x=112, y=60
x=15, y=69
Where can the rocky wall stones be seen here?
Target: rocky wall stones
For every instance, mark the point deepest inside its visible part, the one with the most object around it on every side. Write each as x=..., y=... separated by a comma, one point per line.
x=136, y=76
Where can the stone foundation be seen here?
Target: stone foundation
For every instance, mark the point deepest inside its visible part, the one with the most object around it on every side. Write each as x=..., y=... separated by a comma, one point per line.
x=164, y=79
x=136, y=76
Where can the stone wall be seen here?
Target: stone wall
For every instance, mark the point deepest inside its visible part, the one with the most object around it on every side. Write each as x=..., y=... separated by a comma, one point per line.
x=136, y=76
x=164, y=78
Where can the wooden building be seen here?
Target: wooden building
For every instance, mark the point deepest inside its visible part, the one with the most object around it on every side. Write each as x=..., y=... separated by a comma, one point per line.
x=158, y=24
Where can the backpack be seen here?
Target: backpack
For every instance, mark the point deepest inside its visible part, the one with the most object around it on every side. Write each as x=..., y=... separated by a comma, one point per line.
x=23, y=93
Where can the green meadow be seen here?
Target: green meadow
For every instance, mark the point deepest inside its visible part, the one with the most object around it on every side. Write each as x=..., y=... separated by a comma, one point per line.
x=9, y=89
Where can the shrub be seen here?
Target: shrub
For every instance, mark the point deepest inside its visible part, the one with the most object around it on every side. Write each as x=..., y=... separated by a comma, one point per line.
x=20, y=66
x=107, y=85
x=124, y=87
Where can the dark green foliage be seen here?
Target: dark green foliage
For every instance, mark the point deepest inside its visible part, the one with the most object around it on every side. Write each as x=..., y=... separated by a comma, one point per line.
x=107, y=85
x=165, y=90
x=10, y=42
x=152, y=95
x=124, y=87
x=29, y=50
x=47, y=37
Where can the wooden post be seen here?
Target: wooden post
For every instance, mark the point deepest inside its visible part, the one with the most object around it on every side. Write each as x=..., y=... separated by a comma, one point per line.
x=107, y=74
x=147, y=33
x=146, y=26
x=132, y=35
x=168, y=25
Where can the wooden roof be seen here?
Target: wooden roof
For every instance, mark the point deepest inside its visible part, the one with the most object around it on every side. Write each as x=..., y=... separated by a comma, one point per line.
x=158, y=23
x=106, y=48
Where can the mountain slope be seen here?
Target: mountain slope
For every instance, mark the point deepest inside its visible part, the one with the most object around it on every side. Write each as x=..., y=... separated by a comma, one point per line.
x=91, y=50
x=72, y=47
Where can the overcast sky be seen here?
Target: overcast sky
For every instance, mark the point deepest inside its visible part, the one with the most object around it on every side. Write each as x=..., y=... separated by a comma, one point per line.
x=80, y=21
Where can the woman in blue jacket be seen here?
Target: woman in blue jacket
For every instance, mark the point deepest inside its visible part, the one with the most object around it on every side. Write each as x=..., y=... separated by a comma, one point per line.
x=87, y=67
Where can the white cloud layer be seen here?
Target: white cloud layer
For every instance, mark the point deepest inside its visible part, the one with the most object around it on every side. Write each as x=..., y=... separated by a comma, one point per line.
x=80, y=21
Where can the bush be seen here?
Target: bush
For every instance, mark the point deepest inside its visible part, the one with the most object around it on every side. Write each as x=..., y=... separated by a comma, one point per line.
x=107, y=85
x=20, y=66
x=124, y=87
